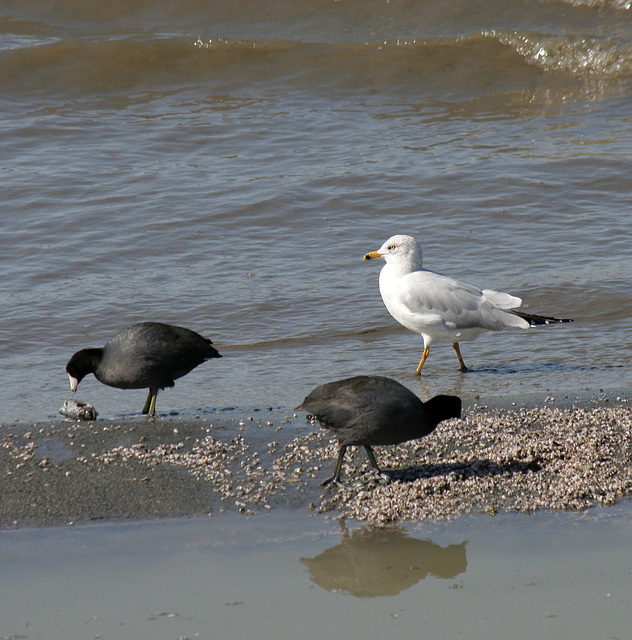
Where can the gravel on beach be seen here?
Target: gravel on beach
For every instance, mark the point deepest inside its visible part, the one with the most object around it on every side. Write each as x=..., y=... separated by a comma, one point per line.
x=492, y=460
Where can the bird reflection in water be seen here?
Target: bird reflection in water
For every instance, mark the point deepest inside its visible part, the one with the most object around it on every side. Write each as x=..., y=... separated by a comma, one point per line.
x=383, y=561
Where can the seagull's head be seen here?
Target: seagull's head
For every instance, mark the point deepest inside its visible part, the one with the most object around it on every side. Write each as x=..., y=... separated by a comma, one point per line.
x=402, y=251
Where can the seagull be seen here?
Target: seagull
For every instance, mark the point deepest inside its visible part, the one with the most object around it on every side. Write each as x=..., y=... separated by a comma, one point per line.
x=145, y=355
x=374, y=410
x=440, y=308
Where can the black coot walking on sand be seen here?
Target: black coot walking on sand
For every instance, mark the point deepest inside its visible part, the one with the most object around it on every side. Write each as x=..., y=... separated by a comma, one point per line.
x=373, y=410
x=145, y=355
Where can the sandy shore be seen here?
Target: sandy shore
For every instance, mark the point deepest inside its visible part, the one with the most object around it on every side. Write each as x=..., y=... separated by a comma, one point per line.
x=543, y=457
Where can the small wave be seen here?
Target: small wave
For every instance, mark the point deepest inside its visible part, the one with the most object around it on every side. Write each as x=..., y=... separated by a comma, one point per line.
x=115, y=64
x=460, y=68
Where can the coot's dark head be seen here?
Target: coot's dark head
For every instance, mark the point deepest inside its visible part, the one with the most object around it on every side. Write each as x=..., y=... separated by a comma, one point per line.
x=443, y=408
x=81, y=364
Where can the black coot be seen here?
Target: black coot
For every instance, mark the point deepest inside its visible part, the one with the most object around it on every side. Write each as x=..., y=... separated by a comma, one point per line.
x=145, y=355
x=373, y=410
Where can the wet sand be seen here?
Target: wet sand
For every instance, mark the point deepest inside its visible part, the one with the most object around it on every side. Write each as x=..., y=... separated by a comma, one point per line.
x=492, y=460
x=143, y=571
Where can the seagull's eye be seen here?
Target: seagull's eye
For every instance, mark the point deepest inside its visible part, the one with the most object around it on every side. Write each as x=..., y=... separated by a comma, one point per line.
x=391, y=247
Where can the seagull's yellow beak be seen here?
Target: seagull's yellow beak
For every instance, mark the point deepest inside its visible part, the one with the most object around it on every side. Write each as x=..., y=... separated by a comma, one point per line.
x=371, y=255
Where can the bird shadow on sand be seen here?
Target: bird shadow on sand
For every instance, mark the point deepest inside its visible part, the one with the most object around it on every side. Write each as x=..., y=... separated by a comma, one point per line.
x=462, y=470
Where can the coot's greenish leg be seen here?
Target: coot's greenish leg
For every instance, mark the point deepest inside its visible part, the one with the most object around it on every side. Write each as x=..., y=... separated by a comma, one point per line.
x=372, y=459
x=336, y=476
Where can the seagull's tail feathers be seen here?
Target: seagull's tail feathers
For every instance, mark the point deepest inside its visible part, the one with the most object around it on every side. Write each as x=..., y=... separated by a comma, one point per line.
x=510, y=303
x=534, y=320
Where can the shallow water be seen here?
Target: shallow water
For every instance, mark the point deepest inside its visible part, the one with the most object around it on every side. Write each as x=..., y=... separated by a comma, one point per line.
x=560, y=575
x=226, y=166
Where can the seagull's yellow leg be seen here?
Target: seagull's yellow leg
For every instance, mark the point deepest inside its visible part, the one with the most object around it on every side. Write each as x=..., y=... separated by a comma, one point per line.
x=459, y=356
x=423, y=359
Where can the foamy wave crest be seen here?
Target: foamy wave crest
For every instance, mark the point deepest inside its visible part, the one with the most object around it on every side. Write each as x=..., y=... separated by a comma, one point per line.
x=624, y=5
x=575, y=54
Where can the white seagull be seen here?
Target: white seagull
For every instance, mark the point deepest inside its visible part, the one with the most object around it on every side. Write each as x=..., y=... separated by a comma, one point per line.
x=439, y=308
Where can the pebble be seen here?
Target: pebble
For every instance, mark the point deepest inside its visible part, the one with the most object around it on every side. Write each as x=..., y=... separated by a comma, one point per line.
x=77, y=410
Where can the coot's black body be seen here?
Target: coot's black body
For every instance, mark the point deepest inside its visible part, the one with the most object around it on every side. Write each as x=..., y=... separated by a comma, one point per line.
x=145, y=355
x=374, y=410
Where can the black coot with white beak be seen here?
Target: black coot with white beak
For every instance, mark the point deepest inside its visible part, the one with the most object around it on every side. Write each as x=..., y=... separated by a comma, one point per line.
x=145, y=355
